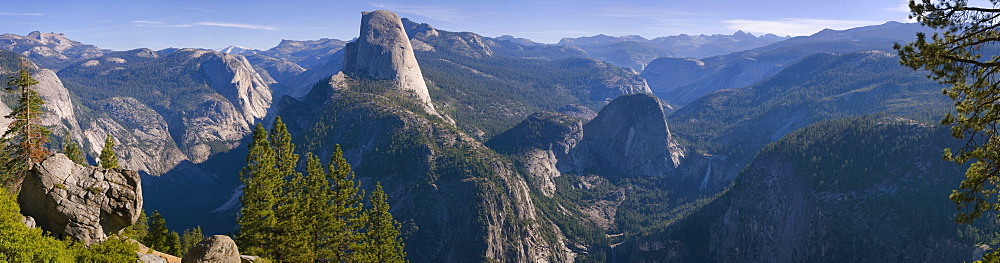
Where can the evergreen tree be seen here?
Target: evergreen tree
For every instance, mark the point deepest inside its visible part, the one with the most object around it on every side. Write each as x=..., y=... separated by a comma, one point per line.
x=262, y=188
x=289, y=216
x=173, y=244
x=962, y=54
x=108, y=158
x=190, y=238
x=156, y=237
x=72, y=150
x=345, y=207
x=381, y=242
x=290, y=209
x=318, y=208
x=25, y=138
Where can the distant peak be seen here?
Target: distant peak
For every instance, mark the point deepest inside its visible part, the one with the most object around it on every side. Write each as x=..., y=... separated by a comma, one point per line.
x=384, y=52
x=232, y=49
x=740, y=33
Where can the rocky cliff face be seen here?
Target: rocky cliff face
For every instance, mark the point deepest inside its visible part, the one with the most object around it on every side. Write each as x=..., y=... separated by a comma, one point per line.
x=629, y=137
x=542, y=140
x=383, y=52
x=234, y=78
x=142, y=137
x=86, y=203
x=192, y=102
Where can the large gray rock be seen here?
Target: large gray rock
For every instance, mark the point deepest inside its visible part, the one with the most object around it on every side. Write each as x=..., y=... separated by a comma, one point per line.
x=628, y=138
x=384, y=52
x=214, y=249
x=86, y=203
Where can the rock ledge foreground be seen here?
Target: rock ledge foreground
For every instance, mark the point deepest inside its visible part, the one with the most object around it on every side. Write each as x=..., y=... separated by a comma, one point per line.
x=86, y=203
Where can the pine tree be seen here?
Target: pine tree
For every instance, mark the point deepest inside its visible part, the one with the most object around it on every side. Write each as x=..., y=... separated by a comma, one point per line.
x=25, y=138
x=290, y=210
x=317, y=207
x=173, y=244
x=156, y=237
x=262, y=188
x=72, y=150
x=108, y=158
x=190, y=238
x=345, y=207
x=381, y=242
x=318, y=216
x=962, y=54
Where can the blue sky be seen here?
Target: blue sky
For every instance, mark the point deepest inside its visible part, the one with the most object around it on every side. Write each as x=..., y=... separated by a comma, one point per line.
x=122, y=25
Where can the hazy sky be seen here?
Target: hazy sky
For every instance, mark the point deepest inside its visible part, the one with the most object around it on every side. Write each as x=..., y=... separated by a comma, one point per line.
x=122, y=25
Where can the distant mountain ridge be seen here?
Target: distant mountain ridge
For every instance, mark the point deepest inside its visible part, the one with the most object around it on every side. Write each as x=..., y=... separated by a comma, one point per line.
x=679, y=82
x=51, y=50
x=636, y=52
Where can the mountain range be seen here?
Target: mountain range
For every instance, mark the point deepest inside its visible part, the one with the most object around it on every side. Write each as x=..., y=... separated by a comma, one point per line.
x=637, y=52
x=721, y=148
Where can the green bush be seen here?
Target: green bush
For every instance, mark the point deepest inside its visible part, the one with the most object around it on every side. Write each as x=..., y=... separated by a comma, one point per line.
x=18, y=243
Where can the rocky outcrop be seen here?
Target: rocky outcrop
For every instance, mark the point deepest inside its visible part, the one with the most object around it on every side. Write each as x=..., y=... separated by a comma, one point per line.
x=629, y=137
x=542, y=139
x=383, y=52
x=86, y=203
x=214, y=249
